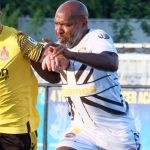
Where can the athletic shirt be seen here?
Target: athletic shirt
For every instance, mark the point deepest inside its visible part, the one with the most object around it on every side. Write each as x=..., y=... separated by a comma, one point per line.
x=94, y=96
x=18, y=85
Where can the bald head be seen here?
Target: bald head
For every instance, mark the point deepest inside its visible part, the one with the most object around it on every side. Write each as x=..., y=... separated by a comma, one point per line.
x=71, y=23
x=73, y=8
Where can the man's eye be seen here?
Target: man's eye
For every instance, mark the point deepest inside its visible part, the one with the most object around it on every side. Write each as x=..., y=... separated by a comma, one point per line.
x=68, y=25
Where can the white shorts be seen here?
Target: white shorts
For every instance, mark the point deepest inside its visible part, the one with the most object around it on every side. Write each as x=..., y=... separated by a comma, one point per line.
x=101, y=138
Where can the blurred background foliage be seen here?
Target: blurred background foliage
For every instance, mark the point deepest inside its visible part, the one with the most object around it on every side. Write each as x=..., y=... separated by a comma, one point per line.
x=119, y=10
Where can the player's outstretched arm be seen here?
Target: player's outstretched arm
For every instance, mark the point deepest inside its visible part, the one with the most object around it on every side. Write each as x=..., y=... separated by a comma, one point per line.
x=105, y=60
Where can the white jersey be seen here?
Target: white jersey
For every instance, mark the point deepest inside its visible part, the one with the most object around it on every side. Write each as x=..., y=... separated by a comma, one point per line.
x=94, y=96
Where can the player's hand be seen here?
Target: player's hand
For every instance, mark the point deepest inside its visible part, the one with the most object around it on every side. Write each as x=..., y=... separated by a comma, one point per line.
x=46, y=63
x=48, y=59
x=55, y=64
x=54, y=60
x=58, y=49
x=61, y=62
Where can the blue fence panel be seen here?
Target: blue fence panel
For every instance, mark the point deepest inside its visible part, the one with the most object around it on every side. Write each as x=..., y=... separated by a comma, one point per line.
x=55, y=120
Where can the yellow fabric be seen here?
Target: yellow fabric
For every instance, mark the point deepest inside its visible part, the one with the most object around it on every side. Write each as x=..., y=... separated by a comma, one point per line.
x=18, y=86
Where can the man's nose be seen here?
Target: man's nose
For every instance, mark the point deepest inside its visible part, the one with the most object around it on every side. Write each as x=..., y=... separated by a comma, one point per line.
x=59, y=29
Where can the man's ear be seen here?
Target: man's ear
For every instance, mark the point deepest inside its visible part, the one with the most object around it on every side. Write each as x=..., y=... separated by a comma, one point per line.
x=84, y=22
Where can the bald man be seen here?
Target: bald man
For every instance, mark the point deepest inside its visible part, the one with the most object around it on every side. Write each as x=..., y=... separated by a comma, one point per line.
x=100, y=116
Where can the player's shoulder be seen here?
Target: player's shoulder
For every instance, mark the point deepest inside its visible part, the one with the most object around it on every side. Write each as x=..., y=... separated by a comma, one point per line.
x=10, y=30
x=99, y=33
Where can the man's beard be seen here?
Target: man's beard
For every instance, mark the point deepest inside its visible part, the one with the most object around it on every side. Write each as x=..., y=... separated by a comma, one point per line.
x=73, y=40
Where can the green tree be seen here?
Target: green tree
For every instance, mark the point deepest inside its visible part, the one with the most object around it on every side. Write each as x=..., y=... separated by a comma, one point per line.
x=120, y=10
x=129, y=9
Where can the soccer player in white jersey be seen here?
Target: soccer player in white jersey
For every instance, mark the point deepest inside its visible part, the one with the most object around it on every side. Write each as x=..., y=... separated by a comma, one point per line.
x=101, y=118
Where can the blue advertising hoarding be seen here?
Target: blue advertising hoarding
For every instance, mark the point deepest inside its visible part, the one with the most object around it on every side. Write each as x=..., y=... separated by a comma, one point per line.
x=58, y=120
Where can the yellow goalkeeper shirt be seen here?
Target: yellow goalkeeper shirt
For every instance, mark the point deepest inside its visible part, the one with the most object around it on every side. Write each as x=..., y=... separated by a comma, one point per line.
x=18, y=84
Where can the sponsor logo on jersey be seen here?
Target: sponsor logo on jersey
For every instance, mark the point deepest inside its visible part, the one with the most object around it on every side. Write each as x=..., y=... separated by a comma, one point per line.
x=76, y=130
x=32, y=40
x=103, y=36
x=70, y=135
x=4, y=55
x=78, y=91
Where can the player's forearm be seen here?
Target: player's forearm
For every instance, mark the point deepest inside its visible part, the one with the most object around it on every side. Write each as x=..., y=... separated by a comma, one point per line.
x=105, y=61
